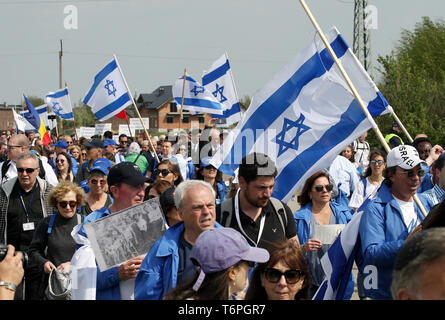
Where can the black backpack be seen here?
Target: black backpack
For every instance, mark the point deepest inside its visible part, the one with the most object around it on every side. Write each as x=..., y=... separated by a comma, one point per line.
x=7, y=163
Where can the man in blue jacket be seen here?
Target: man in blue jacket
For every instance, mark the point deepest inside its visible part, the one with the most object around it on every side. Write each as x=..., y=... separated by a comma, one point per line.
x=389, y=219
x=168, y=263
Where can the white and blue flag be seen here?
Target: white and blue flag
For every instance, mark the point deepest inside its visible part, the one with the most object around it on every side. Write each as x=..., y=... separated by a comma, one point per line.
x=219, y=81
x=304, y=117
x=60, y=103
x=196, y=97
x=109, y=95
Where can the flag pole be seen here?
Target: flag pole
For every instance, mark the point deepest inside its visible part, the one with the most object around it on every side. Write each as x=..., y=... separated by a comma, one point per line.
x=135, y=106
x=354, y=90
x=391, y=110
x=234, y=87
x=182, y=100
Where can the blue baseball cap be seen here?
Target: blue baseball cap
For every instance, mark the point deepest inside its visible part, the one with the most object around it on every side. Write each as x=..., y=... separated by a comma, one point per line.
x=102, y=164
x=109, y=142
x=61, y=144
x=205, y=162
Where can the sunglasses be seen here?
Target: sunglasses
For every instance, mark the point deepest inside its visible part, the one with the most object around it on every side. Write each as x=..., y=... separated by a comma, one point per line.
x=123, y=142
x=95, y=181
x=411, y=173
x=12, y=146
x=379, y=162
x=64, y=204
x=28, y=170
x=163, y=172
x=60, y=160
x=292, y=276
x=210, y=168
x=328, y=187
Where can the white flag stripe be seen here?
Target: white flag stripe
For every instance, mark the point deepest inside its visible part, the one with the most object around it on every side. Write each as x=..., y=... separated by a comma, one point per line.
x=60, y=102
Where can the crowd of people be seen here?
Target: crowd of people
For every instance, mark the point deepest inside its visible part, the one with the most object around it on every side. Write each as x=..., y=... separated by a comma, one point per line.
x=225, y=239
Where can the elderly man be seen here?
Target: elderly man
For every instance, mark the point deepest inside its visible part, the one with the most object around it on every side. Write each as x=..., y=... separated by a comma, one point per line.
x=17, y=145
x=390, y=218
x=126, y=185
x=23, y=203
x=419, y=272
x=168, y=263
x=253, y=212
x=94, y=152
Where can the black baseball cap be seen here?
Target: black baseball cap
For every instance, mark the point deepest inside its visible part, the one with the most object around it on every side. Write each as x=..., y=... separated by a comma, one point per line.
x=94, y=143
x=126, y=172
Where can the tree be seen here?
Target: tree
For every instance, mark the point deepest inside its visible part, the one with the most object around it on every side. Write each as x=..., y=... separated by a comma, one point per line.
x=414, y=81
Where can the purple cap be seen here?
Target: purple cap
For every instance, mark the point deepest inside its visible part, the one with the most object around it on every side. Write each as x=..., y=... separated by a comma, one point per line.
x=220, y=248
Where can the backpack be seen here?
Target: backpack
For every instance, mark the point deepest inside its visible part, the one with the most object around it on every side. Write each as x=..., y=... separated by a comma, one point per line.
x=7, y=163
x=227, y=213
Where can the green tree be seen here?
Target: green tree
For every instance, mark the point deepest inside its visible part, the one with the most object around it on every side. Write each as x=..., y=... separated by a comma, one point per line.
x=413, y=82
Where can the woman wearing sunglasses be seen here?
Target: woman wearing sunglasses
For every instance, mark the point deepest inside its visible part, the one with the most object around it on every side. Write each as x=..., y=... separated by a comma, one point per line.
x=284, y=277
x=369, y=185
x=168, y=171
x=52, y=245
x=64, y=167
x=317, y=209
x=97, y=196
x=210, y=174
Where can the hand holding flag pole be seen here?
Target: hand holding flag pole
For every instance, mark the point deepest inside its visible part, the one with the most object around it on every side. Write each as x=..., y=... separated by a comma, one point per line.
x=353, y=89
x=135, y=107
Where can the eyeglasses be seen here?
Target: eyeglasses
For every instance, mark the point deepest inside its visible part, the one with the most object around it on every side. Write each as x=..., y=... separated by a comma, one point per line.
x=64, y=204
x=123, y=142
x=411, y=173
x=69, y=142
x=292, y=276
x=95, y=181
x=10, y=146
x=163, y=172
x=328, y=187
x=379, y=162
x=28, y=170
x=84, y=154
x=60, y=160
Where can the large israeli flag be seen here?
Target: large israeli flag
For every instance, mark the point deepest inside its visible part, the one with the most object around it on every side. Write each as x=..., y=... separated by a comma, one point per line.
x=60, y=103
x=196, y=97
x=109, y=95
x=219, y=81
x=304, y=116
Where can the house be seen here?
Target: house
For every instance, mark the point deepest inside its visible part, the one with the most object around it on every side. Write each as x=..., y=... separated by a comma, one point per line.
x=161, y=109
x=7, y=117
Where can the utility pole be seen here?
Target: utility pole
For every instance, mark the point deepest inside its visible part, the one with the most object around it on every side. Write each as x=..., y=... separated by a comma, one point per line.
x=362, y=42
x=60, y=79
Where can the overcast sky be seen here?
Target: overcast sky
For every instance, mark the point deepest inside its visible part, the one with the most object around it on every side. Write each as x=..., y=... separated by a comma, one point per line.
x=155, y=40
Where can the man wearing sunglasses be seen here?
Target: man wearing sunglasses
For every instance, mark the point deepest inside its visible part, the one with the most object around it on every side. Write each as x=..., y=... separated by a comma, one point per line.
x=23, y=203
x=17, y=145
x=260, y=218
x=126, y=185
x=391, y=218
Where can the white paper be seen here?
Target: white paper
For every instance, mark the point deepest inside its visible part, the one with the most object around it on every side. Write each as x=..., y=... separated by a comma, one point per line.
x=327, y=233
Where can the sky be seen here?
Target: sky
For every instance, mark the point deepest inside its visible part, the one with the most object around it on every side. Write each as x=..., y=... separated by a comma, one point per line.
x=155, y=40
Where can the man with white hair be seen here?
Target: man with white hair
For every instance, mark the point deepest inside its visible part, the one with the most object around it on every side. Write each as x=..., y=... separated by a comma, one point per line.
x=168, y=264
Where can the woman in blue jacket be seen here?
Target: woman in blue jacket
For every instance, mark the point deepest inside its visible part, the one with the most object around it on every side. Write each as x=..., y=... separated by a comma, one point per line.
x=317, y=209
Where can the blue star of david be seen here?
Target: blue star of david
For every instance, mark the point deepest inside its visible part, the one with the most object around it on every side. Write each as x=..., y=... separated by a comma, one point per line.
x=56, y=107
x=197, y=90
x=219, y=90
x=112, y=90
x=287, y=126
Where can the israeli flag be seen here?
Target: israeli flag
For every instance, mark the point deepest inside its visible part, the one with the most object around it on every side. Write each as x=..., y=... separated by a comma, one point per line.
x=109, y=95
x=60, y=103
x=219, y=81
x=197, y=98
x=304, y=117
x=42, y=111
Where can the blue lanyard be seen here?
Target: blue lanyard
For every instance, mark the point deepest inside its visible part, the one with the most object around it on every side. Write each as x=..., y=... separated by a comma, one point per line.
x=30, y=202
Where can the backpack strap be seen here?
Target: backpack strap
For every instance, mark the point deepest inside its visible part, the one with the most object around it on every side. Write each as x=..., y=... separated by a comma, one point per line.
x=5, y=168
x=134, y=161
x=51, y=223
x=226, y=212
x=364, y=187
x=42, y=172
x=279, y=210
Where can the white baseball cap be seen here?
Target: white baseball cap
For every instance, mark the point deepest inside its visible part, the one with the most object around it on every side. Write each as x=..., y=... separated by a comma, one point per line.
x=403, y=156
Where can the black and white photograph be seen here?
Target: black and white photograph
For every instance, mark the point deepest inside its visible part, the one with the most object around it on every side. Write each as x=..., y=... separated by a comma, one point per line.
x=126, y=234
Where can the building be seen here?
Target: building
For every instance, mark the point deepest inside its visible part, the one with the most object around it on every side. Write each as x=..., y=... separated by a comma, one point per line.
x=7, y=117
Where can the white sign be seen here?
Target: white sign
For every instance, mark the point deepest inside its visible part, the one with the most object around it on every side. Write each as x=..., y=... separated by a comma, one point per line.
x=327, y=233
x=102, y=127
x=87, y=132
x=137, y=123
x=123, y=129
x=126, y=234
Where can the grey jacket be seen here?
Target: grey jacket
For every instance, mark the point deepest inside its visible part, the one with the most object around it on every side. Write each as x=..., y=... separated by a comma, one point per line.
x=5, y=192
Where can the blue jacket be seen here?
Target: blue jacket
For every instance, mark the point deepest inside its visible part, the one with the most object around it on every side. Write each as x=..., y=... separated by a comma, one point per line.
x=159, y=270
x=302, y=219
x=107, y=282
x=222, y=191
x=382, y=233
